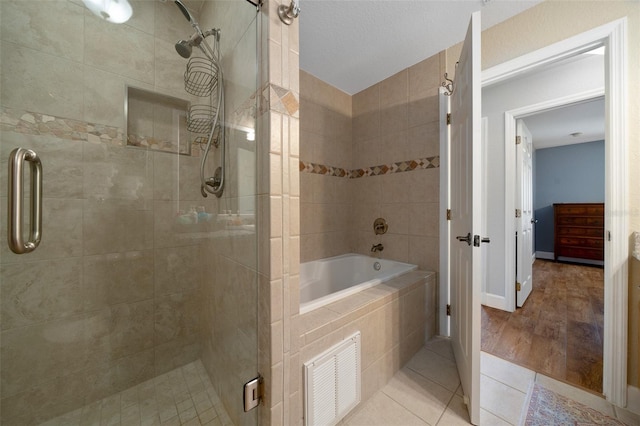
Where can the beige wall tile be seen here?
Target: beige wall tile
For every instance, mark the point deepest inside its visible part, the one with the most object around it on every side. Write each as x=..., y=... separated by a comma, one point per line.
x=395, y=147
x=423, y=108
x=118, y=278
x=143, y=17
x=423, y=219
x=104, y=96
x=394, y=119
x=424, y=252
x=169, y=68
x=110, y=226
x=176, y=316
x=366, y=126
x=115, y=172
x=50, y=27
x=424, y=185
x=366, y=101
x=424, y=140
x=169, y=23
x=397, y=216
x=126, y=43
x=62, y=218
x=177, y=270
x=425, y=75
x=41, y=291
x=62, y=158
x=394, y=90
x=36, y=81
x=177, y=352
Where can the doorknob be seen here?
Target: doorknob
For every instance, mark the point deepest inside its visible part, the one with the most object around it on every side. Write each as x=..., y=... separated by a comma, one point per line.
x=534, y=220
x=466, y=239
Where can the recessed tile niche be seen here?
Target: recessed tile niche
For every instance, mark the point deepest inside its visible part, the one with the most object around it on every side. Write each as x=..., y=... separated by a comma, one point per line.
x=156, y=121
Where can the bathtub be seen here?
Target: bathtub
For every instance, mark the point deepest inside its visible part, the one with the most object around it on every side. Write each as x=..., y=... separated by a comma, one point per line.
x=326, y=280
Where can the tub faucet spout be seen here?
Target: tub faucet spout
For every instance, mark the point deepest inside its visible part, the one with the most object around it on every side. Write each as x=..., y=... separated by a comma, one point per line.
x=377, y=247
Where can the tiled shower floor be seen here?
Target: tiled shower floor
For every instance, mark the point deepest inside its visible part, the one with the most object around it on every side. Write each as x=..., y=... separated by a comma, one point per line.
x=184, y=396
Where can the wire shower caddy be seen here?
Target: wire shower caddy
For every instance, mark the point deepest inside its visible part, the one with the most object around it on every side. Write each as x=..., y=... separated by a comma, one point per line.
x=201, y=79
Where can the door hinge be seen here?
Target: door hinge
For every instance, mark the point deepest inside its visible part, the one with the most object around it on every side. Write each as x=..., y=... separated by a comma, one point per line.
x=518, y=286
x=518, y=140
x=448, y=118
x=518, y=213
x=608, y=235
x=448, y=310
x=253, y=391
x=448, y=214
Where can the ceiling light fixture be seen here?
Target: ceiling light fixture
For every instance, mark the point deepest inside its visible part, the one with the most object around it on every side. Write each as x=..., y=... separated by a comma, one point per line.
x=575, y=134
x=116, y=11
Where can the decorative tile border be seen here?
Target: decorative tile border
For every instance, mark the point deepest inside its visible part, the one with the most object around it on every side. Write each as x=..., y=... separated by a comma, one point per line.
x=33, y=123
x=283, y=100
x=384, y=169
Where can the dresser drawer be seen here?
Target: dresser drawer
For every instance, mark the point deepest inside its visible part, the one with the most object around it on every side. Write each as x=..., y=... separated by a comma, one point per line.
x=581, y=231
x=580, y=221
x=581, y=209
x=597, y=243
x=581, y=253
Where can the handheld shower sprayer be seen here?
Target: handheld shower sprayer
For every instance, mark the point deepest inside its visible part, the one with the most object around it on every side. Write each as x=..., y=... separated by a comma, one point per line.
x=202, y=85
x=189, y=17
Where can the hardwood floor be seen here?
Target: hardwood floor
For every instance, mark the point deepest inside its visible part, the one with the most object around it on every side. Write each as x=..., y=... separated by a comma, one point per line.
x=558, y=331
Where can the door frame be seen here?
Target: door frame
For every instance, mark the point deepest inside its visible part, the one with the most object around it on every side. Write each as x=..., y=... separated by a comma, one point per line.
x=613, y=36
x=510, y=118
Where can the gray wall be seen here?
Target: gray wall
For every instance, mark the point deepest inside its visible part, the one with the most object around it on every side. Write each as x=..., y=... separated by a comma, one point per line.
x=565, y=174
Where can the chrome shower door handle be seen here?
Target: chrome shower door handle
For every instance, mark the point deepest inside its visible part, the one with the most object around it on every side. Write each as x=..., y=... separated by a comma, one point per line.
x=15, y=202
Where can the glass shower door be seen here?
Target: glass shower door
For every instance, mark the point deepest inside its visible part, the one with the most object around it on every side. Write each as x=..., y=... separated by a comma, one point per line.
x=139, y=305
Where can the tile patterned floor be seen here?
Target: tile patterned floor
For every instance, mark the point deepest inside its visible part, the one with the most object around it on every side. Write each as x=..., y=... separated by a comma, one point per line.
x=427, y=391
x=184, y=396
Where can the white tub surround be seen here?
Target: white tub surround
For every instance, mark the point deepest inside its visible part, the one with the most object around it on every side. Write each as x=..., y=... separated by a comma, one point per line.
x=328, y=280
x=393, y=318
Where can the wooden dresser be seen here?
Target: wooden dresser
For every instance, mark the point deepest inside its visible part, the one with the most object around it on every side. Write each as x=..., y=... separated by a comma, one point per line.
x=579, y=230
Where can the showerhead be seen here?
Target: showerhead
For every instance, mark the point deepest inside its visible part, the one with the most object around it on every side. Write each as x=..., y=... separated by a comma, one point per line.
x=185, y=47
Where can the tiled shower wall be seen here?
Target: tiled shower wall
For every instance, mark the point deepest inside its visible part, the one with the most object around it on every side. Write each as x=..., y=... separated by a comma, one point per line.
x=325, y=202
x=390, y=150
x=279, y=205
x=112, y=296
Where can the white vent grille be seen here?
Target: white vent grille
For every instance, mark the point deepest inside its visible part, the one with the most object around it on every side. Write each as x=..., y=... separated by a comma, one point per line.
x=332, y=382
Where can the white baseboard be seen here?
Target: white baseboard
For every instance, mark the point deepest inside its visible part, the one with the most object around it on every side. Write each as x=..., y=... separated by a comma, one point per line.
x=549, y=255
x=545, y=255
x=584, y=261
x=633, y=399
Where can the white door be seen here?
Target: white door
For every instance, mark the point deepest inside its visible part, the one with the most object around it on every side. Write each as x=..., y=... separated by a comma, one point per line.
x=524, y=205
x=466, y=219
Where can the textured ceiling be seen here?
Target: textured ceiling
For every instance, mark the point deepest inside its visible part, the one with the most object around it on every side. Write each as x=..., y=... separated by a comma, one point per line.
x=353, y=44
x=554, y=127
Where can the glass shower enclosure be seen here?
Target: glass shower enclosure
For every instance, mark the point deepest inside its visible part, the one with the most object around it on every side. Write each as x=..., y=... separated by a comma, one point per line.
x=139, y=304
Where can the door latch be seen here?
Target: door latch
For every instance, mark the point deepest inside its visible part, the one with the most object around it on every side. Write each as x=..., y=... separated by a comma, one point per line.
x=252, y=393
x=477, y=240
